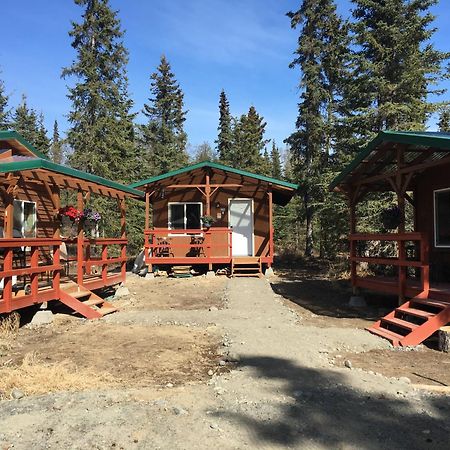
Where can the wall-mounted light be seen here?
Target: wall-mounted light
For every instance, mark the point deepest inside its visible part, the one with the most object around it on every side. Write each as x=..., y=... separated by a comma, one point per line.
x=162, y=193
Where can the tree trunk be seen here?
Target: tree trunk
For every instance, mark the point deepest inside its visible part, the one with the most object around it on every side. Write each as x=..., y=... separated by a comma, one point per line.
x=309, y=227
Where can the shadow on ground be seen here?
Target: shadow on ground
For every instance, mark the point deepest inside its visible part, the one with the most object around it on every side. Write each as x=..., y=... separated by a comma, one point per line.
x=309, y=285
x=324, y=411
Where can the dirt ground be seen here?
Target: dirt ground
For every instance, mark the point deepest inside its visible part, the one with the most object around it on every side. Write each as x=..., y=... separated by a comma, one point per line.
x=217, y=363
x=131, y=355
x=320, y=301
x=175, y=293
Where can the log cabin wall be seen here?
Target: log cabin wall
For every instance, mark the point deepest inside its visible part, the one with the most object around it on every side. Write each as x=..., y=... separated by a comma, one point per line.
x=426, y=183
x=256, y=192
x=45, y=221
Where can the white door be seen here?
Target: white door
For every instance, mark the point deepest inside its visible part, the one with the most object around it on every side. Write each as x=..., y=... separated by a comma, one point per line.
x=241, y=220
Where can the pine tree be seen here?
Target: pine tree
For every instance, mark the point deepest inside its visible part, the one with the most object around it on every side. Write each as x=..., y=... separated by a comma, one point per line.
x=41, y=142
x=163, y=136
x=30, y=125
x=101, y=135
x=56, y=152
x=444, y=121
x=5, y=113
x=249, y=142
x=225, y=137
x=394, y=68
x=276, y=162
x=319, y=55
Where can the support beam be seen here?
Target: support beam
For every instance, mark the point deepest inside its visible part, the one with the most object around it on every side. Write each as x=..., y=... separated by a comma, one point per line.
x=208, y=194
x=80, y=240
x=123, y=235
x=271, y=243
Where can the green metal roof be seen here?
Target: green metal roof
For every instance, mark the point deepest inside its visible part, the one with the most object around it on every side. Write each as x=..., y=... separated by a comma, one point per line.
x=416, y=138
x=218, y=166
x=13, y=135
x=40, y=161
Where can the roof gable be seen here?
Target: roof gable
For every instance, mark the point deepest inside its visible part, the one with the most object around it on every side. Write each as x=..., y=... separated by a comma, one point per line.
x=416, y=140
x=18, y=143
x=213, y=165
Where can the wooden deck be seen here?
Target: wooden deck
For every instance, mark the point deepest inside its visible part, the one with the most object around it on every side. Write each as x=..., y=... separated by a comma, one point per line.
x=389, y=285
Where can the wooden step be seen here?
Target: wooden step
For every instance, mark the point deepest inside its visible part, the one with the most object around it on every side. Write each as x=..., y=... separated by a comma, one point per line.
x=416, y=312
x=247, y=269
x=435, y=303
x=107, y=310
x=94, y=301
x=392, y=337
x=399, y=323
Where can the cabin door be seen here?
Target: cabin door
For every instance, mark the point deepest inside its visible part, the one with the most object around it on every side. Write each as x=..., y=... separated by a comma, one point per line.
x=241, y=221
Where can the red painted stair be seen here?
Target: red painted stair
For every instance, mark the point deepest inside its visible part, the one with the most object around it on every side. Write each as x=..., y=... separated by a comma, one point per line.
x=413, y=322
x=85, y=302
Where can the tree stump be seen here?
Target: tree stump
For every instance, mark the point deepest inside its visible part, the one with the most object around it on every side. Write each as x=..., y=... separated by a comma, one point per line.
x=444, y=339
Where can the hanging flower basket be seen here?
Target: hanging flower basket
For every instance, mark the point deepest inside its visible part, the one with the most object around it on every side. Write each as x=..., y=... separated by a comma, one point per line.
x=71, y=213
x=207, y=221
x=391, y=218
x=90, y=219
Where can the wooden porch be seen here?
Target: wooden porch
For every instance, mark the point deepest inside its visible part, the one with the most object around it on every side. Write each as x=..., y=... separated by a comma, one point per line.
x=195, y=247
x=43, y=277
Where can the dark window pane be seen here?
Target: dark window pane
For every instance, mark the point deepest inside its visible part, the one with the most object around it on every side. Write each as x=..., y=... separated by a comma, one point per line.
x=193, y=216
x=176, y=217
x=442, y=217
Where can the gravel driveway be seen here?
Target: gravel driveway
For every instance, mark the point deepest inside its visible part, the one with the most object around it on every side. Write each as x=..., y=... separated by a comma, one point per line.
x=282, y=393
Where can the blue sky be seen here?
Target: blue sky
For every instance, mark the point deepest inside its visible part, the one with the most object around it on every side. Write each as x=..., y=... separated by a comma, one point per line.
x=242, y=46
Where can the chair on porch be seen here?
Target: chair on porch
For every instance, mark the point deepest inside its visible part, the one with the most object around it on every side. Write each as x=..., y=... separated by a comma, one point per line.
x=163, y=249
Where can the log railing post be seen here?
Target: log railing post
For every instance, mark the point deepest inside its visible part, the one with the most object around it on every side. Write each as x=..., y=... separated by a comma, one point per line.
x=104, y=264
x=34, y=264
x=123, y=235
x=56, y=276
x=7, y=281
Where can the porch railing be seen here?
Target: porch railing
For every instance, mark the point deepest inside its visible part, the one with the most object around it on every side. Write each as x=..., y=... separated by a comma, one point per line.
x=163, y=244
x=98, y=252
x=31, y=249
x=402, y=261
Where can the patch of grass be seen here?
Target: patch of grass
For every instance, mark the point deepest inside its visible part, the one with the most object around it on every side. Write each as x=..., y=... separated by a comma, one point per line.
x=9, y=325
x=36, y=377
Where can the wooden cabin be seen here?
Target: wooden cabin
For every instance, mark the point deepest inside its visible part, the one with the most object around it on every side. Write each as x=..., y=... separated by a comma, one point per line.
x=34, y=257
x=415, y=166
x=240, y=203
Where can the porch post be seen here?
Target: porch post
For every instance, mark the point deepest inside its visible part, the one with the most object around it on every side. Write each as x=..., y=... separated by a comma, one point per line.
x=56, y=197
x=352, y=210
x=400, y=191
x=80, y=240
x=8, y=257
x=147, y=227
x=208, y=194
x=123, y=235
x=271, y=249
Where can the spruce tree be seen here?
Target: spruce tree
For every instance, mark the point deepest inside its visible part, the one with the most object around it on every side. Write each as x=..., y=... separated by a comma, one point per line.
x=395, y=66
x=225, y=137
x=319, y=55
x=444, y=121
x=56, y=152
x=249, y=142
x=30, y=125
x=101, y=135
x=163, y=136
x=275, y=157
x=5, y=113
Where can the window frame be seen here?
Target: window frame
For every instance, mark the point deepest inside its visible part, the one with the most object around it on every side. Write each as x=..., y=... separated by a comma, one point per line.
x=169, y=213
x=22, y=230
x=435, y=224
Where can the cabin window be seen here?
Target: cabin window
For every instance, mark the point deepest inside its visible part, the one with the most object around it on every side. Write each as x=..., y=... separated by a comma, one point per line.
x=442, y=218
x=185, y=216
x=24, y=223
